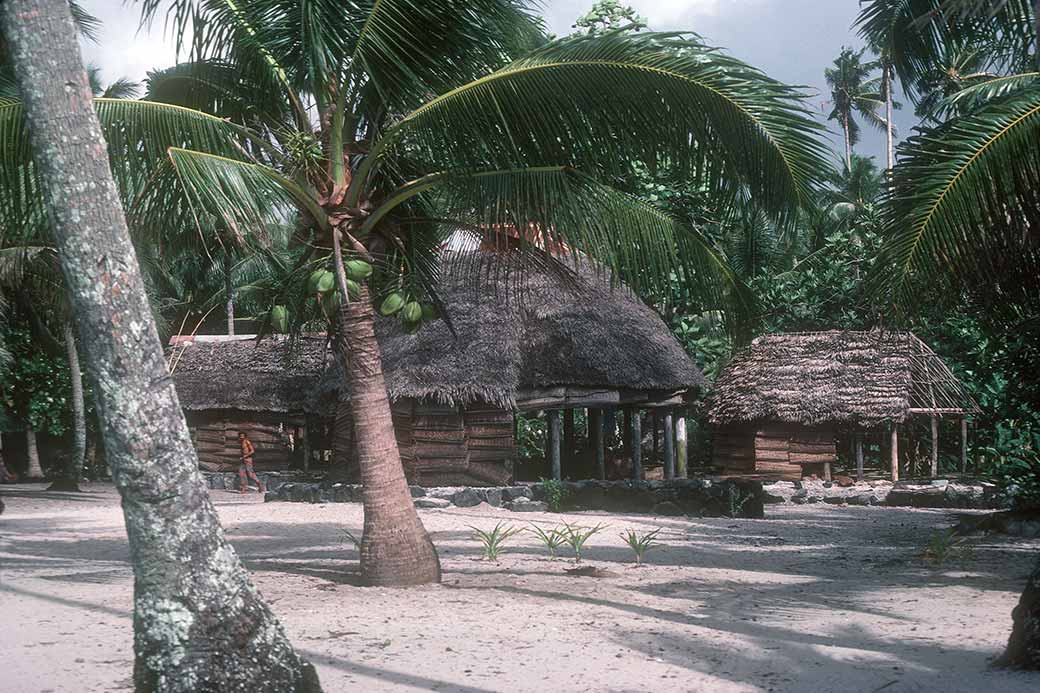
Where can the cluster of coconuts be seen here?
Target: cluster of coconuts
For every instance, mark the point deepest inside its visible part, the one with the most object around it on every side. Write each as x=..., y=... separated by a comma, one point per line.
x=413, y=314
x=322, y=283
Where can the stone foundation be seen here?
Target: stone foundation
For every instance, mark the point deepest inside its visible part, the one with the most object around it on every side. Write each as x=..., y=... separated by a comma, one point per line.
x=937, y=493
x=697, y=497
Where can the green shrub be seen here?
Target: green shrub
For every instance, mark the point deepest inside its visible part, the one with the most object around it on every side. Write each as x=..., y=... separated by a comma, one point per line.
x=555, y=493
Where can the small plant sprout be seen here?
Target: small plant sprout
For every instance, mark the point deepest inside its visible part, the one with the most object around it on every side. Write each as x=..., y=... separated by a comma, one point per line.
x=640, y=543
x=576, y=537
x=553, y=539
x=494, y=540
x=944, y=546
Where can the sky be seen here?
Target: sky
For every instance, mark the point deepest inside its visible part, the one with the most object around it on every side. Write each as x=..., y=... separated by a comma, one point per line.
x=790, y=40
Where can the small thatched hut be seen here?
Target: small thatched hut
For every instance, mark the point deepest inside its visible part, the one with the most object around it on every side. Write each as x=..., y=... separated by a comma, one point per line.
x=537, y=339
x=778, y=406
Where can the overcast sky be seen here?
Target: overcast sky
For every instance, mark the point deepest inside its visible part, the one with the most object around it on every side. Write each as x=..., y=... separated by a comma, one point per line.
x=791, y=40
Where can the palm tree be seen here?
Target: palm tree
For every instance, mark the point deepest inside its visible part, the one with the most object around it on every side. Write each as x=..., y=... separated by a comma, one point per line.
x=854, y=92
x=200, y=625
x=964, y=211
x=380, y=128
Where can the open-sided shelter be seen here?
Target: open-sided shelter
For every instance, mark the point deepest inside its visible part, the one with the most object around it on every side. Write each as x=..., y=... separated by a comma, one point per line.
x=778, y=406
x=517, y=339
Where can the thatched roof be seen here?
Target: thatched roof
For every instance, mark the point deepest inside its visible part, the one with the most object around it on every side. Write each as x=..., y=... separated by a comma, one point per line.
x=513, y=331
x=855, y=378
x=272, y=375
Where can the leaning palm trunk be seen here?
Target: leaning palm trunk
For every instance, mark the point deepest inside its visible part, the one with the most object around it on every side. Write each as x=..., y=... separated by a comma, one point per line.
x=395, y=549
x=32, y=450
x=1023, y=649
x=199, y=623
x=74, y=468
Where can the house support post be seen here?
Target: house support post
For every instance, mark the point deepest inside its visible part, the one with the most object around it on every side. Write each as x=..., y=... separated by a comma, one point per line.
x=635, y=443
x=669, y=447
x=680, y=447
x=306, y=443
x=554, y=444
x=568, y=439
x=859, y=456
x=935, y=447
x=655, y=454
x=596, y=422
x=964, y=445
x=895, y=452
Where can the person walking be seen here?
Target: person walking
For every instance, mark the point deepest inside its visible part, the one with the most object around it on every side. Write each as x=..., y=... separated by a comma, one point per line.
x=245, y=469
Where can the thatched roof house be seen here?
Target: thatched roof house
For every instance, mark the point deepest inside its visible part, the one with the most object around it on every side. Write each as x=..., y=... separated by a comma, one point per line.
x=518, y=340
x=776, y=406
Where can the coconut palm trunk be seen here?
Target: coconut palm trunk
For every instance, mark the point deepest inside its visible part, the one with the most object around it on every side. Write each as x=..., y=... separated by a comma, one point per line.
x=229, y=294
x=886, y=79
x=395, y=549
x=199, y=623
x=848, y=141
x=1023, y=648
x=32, y=451
x=74, y=471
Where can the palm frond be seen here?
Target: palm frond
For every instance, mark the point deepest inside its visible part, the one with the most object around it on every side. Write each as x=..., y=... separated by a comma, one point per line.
x=988, y=89
x=245, y=196
x=598, y=102
x=966, y=203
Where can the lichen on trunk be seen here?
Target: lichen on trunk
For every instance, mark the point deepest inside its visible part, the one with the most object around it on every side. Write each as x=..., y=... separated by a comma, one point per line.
x=199, y=623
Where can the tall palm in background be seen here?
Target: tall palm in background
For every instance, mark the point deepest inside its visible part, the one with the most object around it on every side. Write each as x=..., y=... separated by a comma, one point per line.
x=855, y=93
x=381, y=128
x=965, y=210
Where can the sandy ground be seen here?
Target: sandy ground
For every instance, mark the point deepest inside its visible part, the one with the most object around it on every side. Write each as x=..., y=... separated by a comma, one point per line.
x=813, y=599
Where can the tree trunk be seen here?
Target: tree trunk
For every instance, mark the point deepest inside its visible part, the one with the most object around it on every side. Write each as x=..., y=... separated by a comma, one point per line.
x=848, y=142
x=74, y=471
x=229, y=293
x=395, y=549
x=889, y=127
x=199, y=623
x=32, y=450
x=1023, y=648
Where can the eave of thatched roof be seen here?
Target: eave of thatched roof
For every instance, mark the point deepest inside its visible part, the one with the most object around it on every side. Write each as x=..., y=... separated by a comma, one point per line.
x=856, y=378
x=515, y=328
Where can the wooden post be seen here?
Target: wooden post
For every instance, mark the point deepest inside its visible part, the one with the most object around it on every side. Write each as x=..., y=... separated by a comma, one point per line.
x=859, y=456
x=895, y=452
x=610, y=426
x=964, y=445
x=567, y=455
x=626, y=435
x=554, y=444
x=596, y=423
x=669, y=448
x=636, y=443
x=935, y=447
x=680, y=447
x=654, y=455
x=306, y=443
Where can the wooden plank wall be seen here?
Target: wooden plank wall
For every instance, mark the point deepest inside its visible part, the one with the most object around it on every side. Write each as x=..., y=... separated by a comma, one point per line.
x=455, y=447
x=778, y=450
x=216, y=442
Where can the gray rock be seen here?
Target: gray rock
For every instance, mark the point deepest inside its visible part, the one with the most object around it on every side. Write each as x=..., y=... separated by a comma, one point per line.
x=432, y=502
x=513, y=492
x=493, y=496
x=417, y=491
x=835, y=500
x=523, y=505
x=443, y=491
x=216, y=481
x=467, y=498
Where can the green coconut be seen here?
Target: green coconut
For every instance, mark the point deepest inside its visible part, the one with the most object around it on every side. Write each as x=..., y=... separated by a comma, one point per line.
x=358, y=270
x=392, y=303
x=280, y=319
x=412, y=312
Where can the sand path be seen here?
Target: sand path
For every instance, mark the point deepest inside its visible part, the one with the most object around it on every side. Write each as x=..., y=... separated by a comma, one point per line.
x=816, y=598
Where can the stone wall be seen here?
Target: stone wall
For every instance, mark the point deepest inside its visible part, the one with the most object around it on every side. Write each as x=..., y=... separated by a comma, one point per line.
x=937, y=493
x=697, y=497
